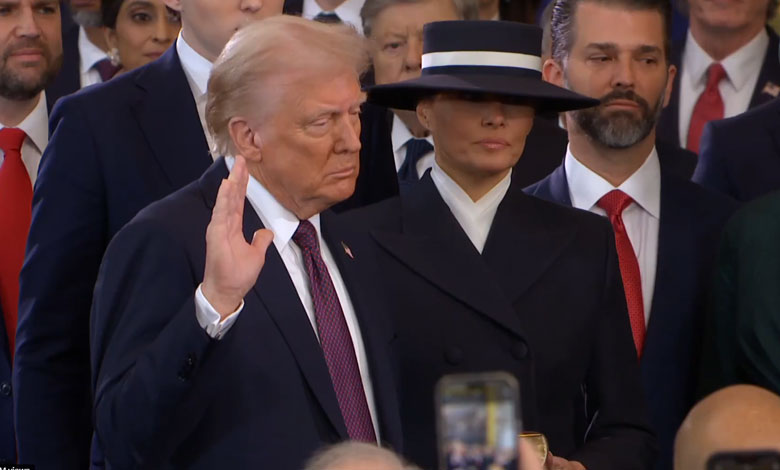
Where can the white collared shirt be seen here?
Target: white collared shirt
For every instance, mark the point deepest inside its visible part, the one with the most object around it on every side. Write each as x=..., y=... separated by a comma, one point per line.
x=399, y=136
x=641, y=218
x=742, y=70
x=197, y=69
x=36, y=126
x=474, y=217
x=283, y=224
x=348, y=12
x=89, y=55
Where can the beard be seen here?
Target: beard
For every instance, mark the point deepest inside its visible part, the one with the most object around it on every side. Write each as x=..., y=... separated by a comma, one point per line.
x=619, y=129
x=87, y=19
x=18, y=87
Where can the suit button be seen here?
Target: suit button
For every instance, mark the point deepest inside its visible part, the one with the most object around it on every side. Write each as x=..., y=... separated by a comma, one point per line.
x=454, y=356
x=5, y=389
x=187, y=367
x=519, y=350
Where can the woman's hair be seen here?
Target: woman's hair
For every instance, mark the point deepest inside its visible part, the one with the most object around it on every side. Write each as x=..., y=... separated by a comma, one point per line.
x=109, y=9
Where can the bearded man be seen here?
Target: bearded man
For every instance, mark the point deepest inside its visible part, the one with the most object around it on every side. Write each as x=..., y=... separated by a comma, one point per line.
x=666, y=228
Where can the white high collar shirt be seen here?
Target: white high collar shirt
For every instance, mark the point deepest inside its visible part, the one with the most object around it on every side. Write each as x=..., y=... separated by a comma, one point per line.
x=89, y=55
x=348, y=12
x=474, y=217
x=399, y=136
x=197, y=70
x=283, y=224
x=742, y=69
x=36, y=126
x=641, y=218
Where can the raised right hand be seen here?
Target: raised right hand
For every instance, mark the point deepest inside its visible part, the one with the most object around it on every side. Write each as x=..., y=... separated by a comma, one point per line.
x=232, y=264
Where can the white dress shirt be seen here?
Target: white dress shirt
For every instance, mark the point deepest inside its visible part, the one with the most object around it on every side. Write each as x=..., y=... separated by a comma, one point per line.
x=89, y=55
x=348, y=12
x=474, y=217
x=641, y=217
x=399, y=136
x=36, y=126
x=197, y=69
x=742, y=69
x=283, y=224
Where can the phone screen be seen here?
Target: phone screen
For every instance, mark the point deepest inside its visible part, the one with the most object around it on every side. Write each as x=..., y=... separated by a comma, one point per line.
x=758, y=460
x=478, y=421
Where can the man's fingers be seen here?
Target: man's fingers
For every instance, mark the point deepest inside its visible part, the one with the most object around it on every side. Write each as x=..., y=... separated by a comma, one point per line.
x=262, y=240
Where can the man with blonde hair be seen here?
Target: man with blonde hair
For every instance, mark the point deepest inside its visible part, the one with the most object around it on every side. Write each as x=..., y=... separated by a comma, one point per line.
x=210, y=351
x=736, y=418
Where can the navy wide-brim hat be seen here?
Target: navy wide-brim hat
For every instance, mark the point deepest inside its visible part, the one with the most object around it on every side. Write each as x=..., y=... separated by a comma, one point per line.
x=501, y=58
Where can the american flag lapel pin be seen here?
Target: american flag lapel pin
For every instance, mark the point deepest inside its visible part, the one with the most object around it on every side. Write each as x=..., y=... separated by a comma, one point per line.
x=771, y=89
x=347, y=250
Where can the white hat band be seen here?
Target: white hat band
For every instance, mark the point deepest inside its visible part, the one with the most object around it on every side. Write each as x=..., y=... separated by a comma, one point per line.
x=482, y=59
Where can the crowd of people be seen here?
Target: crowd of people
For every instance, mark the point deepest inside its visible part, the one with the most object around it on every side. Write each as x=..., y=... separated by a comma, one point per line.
x=257, y=233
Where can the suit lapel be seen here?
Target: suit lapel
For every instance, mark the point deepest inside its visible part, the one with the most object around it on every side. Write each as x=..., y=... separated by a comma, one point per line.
x=167, y=114
x=768, y=83
x=553, y=188
x=276, y=292
x=522, y=244
x=433, y=245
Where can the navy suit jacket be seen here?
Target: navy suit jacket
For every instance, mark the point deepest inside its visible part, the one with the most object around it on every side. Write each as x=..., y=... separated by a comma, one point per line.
x=669, y=125
x=7, y=440
x=68, y=80
x=169, y=396
x=543, y=302
x=692, y=219
x=114, y=148
x=740, y=156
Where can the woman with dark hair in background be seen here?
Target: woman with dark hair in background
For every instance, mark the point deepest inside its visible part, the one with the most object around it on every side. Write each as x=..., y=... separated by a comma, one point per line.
x=138, y=31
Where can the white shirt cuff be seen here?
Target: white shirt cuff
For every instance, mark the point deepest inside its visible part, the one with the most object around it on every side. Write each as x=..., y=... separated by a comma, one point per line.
x=209, y=319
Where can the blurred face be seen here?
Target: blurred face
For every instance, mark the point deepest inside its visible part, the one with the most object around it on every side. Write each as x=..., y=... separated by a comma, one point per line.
x=207, y=25
x=86, y=12
x=30, y=46
x=617, y=56
x=309, y=148
x=84, y=5
x=144, y=30
x=396, y=38
x=729, y=15
x=476, y=137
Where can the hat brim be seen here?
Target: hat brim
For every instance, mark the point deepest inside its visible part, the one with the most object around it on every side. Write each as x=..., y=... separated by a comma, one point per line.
x=543, y=96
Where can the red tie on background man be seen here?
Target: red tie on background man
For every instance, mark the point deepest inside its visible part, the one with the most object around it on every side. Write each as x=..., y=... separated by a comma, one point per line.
x=615, y=202
x=15, y=212
x=709, y=106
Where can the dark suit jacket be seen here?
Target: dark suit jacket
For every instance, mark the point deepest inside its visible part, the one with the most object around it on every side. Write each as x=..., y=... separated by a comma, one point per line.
x=742, y=345
x=691, y=222
x=740, y=156
x=68, y=80
x=669, y=125
x=543, y=302
x=114, y=148
x=168, y=396
x=7, y=439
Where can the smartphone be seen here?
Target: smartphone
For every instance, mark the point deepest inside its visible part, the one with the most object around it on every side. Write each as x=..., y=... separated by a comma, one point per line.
x=752, y=460
x=478, y=420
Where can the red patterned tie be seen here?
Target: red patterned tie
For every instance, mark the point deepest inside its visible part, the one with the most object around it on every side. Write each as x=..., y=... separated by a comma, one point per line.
x=614, y=202
x=15, y=210
x=708, y=108
x=335, y=339
x=106, y=69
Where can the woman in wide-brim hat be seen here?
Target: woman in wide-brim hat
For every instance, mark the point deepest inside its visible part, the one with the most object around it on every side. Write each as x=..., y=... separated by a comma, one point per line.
x=482, y=277
x=474, y=73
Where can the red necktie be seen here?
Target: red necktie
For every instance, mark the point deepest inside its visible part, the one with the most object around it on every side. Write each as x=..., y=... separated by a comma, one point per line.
x=334, y=335
x=708, y=108
x=614, y=202
x=15, y=211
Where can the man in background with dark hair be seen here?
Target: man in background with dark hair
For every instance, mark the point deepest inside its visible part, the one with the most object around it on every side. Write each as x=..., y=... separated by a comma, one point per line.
x=727, y=64
x=666, y=228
